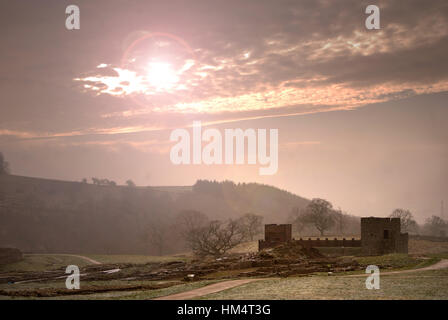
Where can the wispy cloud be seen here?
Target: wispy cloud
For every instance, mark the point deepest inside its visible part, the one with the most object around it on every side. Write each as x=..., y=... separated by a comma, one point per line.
x=280, y=68
x=276, y=59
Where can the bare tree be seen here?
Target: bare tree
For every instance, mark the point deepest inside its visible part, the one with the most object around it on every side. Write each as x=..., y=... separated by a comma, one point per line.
x=436, y=226
x=216, y=238
x=407, y=221
x=103, y=182
x=4, y=165
x=318, y=213
x=130, y=183
x=342, y=219
x=190, y=220
x=251, y=225
x=156, y=236
x=296, y=218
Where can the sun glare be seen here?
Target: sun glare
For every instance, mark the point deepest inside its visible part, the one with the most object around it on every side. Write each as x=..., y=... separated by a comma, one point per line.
x=161, y=75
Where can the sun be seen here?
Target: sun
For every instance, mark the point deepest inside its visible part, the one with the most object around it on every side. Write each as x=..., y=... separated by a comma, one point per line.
x=161, y=75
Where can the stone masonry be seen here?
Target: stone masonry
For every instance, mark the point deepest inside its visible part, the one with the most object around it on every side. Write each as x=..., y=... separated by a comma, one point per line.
x=382, y=236
x=378, y=236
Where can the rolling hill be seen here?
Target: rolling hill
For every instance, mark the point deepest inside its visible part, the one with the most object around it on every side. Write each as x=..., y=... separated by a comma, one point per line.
x=41, y=215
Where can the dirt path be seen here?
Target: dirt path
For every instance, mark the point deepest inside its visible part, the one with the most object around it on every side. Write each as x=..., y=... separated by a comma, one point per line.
x=212, y=288
x=90, y=260
x=442, y=264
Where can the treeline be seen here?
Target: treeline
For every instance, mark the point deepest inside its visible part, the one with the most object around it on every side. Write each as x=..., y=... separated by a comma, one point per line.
x=433, y=226
x=52, y=216
x=319, y=218
x=233, y=199
x=39, y=215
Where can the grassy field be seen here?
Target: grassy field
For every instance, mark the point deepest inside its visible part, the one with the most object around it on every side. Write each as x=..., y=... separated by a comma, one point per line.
x=46, y=262
x=426, y=247
x=418, y=285
x=443, y=255
x=145, y=295
x=60, y=284
x=397, y=261
x=43, y=262
x=123, y=295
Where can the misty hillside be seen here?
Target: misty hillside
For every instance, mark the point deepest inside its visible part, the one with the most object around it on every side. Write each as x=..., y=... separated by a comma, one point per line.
x=40, y=215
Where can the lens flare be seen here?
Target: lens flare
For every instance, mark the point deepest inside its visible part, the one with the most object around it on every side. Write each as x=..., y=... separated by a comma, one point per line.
x=161, y=75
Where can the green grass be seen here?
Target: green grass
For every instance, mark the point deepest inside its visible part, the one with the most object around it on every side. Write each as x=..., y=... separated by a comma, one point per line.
x=427, y=247
x=438, y=255
x=46, y=262
x=151, y=294
x=42, y=262
x=396, y=261
x=124, y=295
x=60, y=284
x=418, y=285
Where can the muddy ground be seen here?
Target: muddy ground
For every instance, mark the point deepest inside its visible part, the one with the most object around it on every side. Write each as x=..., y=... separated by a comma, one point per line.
x=284, y=261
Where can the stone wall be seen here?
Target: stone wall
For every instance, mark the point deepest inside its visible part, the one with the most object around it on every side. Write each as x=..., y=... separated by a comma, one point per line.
x=277, y=232
x=329, y=242
x=378, y=236
x=382, y=236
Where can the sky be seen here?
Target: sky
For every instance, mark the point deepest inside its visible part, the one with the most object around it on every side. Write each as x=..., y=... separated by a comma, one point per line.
x=361, y=114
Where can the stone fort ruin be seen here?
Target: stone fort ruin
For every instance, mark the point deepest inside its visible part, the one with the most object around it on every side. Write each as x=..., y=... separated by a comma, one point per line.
x=378, y=236
x=382, y=235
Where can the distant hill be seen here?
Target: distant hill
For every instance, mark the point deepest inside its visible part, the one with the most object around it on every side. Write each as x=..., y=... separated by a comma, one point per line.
x=41, y=215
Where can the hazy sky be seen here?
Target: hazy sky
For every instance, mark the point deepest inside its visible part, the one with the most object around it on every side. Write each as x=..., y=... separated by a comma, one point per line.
x=361, y=114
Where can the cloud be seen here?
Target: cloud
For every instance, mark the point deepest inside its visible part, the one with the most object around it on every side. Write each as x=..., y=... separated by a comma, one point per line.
x=248, y=60
x=274, y=56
